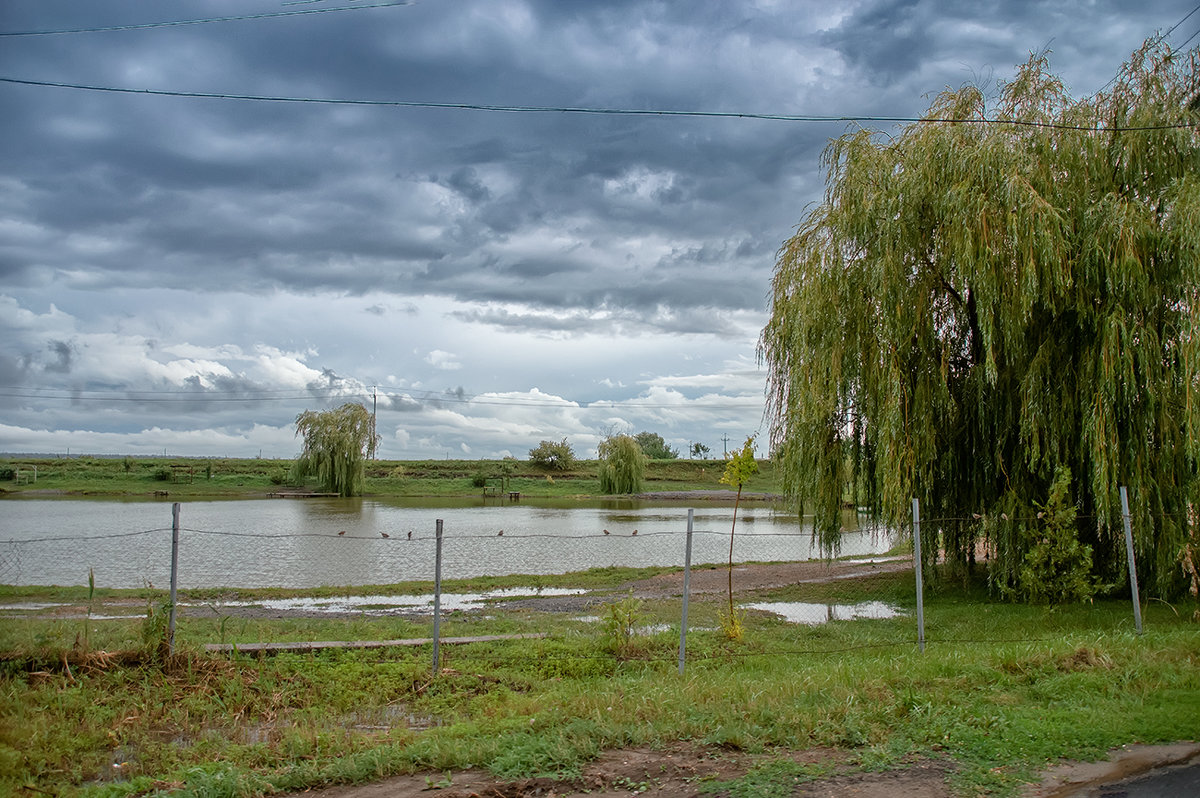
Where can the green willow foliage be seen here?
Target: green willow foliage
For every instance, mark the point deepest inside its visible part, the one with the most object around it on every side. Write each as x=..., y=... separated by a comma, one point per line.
x=622, y=465
x=975, y=305
x=336, y=445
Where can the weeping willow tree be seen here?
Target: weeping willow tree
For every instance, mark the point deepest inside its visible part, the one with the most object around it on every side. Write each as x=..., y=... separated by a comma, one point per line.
x=976, y=304
x=622, y=465
x=336, y=446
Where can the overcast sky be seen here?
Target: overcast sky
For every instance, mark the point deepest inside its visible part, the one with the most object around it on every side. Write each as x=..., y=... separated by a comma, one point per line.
x=186, y=274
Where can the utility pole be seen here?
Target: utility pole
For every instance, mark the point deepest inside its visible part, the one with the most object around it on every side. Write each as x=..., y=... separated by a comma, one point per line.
x=725, y=443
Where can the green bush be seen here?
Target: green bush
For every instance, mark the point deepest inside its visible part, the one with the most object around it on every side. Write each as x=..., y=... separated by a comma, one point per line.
x=554, y=456
x=1057, y=567
x=162, y=474
x=621, y=619
x=480, y=477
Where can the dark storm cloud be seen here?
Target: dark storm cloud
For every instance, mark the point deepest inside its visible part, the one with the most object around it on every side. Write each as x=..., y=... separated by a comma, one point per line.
x=13, y=371
x=354, y=239
x=202, y=193
x=63, y=353
x=465, y=181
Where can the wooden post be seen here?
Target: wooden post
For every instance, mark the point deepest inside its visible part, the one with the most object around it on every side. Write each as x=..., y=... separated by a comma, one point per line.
x=687, y=578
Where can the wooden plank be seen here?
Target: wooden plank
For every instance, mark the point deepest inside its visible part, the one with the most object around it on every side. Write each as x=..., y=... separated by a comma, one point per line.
x=323, y=644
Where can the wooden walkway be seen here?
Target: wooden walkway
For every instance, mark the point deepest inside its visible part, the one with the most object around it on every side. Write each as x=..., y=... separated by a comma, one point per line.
x=317, y=644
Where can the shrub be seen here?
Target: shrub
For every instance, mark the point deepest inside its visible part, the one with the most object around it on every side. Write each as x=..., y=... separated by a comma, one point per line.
x=555, y=456
x=621, y=619
x=162, y=474
x=1057, y=567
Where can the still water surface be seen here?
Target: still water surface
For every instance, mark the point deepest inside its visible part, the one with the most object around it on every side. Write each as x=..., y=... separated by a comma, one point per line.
x=316, y=542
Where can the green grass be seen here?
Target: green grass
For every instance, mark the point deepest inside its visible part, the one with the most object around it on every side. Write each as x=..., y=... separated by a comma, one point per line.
x=1001, y=691
x=232, y=478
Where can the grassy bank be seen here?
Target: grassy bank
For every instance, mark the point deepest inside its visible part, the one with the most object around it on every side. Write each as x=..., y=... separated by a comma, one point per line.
x=232, y=478
x=1000, y=691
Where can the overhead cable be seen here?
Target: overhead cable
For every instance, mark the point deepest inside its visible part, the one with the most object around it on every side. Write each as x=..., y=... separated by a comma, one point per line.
x=1158, y=39
x=545, y=109
x=421, y=397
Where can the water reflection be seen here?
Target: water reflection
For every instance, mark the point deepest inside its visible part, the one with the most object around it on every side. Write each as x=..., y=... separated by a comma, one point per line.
x=816, y=614
x=315, y=542
x=391, y=605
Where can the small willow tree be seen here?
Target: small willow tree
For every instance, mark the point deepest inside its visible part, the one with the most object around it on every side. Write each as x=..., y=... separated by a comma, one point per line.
x=993, y=295
x=622, y=465
x=739, y=468
x=337, y=444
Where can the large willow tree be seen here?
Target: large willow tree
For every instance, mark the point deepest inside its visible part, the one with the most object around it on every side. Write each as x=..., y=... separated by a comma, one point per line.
x=976, y=304
x=336, y=445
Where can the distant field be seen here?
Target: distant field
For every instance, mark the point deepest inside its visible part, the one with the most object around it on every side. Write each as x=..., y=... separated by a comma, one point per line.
x=231, y=477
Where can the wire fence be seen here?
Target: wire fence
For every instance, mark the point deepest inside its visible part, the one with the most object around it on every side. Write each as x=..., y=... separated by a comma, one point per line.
x=223, y=558
x=279, y=544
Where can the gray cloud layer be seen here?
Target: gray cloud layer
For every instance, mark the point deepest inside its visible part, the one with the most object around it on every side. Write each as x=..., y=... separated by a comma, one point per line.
x=213, y=247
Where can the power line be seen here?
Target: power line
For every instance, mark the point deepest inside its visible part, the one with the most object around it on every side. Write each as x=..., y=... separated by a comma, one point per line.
x=545, y=109
x=1188, y=39
x=1171, y=29
x=431, y=397
x=201, y=21
x=1158, y=39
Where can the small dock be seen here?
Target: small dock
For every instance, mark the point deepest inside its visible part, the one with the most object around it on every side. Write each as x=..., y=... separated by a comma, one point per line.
x=300, y=494
x=355, y=644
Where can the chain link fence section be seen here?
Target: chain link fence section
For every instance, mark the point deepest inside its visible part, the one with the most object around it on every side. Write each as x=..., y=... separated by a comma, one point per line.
x=132, y=559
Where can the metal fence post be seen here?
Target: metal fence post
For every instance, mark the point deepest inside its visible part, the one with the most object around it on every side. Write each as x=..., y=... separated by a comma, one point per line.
x=687, y=578
x=1133, y=583
x=437, y=599
x=174, y=575
x=917, y=564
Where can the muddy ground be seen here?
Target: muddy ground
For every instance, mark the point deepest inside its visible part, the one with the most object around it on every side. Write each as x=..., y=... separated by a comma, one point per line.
x=679, y=772
x=705, y=580
x=682, y=771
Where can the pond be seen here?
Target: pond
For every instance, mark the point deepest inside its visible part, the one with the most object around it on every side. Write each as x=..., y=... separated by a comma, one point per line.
x=303, y=543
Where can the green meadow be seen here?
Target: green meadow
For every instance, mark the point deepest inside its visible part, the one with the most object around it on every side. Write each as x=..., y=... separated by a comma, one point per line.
x=96, y=708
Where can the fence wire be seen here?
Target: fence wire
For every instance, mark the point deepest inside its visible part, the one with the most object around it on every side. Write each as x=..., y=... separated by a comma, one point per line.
x=347, y=558
x=260, y=558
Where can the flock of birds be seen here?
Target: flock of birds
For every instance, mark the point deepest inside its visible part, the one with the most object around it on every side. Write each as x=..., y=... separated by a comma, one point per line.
x=499, y=534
